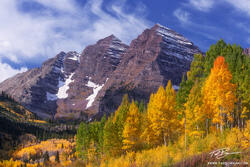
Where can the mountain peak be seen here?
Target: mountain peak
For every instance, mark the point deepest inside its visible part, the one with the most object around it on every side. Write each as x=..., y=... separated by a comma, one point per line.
x=109, y=39
x=78, y=86
x=158, y=25
x=169, y=34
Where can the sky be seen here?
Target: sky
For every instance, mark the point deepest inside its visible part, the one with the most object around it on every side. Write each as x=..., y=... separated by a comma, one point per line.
x=31, y=31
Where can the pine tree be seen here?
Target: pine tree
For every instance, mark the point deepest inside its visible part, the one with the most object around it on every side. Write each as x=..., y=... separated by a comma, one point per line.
x=131, y=132
x=197, y=68
x=82, y=140
x=101, y=134
x=141, y=106
x=118, y=125
x=214, y=51
x=111, y=142
x=219, y=93
x=121, y=115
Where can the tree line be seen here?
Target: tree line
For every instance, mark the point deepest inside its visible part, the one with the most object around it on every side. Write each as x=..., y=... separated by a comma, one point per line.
x=213, y=97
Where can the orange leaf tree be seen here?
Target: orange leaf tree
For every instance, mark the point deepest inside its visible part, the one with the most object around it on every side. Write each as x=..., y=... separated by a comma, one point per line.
x=219, y=94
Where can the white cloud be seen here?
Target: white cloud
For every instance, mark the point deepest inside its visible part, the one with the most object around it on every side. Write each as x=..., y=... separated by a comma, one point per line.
x=26, y=35
x=242, y=5
x=202, y=5
x=63, y=5
x=6, y=71
x=182, y=15
x=206, y=5
x=62, y=25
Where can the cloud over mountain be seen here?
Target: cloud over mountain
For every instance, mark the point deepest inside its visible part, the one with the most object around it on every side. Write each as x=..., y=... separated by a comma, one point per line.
x=42, y=28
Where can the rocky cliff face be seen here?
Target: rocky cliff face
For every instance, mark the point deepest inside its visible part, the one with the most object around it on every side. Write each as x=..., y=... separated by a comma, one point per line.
x=97, y=63
x=73, y=86
x=38, y=89
x=159, y=54
x=247, y=51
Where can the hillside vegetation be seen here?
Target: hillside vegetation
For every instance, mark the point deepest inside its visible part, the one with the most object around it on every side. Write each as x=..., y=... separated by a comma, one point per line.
x=19, y=126
x=205, y=123
x=210, y=111
x=12, y=110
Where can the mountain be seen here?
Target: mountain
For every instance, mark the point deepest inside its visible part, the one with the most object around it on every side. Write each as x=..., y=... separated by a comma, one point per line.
x=80, y=86
x=97, y=64
x=247, y=51
x=38, y=88
x=159, y=54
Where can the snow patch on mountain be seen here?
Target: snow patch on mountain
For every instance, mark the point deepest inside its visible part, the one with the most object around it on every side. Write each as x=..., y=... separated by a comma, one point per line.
x=96, y=89
x=74, y=56
x=64, y=86
x=62, y=89
x=171, y=35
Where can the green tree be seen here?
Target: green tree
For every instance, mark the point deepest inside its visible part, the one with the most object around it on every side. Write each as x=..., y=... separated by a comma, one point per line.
x=111, y=143
x=82, y=140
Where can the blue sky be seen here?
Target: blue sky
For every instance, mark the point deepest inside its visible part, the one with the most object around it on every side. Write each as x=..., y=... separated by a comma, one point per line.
x=32, y=31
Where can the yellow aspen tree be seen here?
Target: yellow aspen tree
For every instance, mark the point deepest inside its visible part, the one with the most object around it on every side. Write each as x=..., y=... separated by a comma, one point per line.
x=155, y=113
x=169, y=119
x=162, y=116
x=131, y=132
x=195, y=117
x=219, y=94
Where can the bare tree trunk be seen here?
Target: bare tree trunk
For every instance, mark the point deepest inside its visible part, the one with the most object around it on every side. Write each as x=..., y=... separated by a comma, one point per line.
x=185, y=127
x=238, y=117
x=165, y=141
x=207, y=125
x=221, y=120
x=242, y=123
x=221, y=127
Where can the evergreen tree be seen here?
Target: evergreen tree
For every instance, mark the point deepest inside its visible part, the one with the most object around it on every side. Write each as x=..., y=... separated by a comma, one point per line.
x=111, y=143
x=194, y=75
x=116, y=128
x=82, y=140
x=142, y=106
x=101, y=134
x=121, y=115
x=214, y=51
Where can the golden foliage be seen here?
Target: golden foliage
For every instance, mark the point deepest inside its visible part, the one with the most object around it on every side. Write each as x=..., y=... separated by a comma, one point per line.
x=219, y=93
x=162, y=116
x=131, y=132
x=168, y=155
x=11, y=163
x=64, y=147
